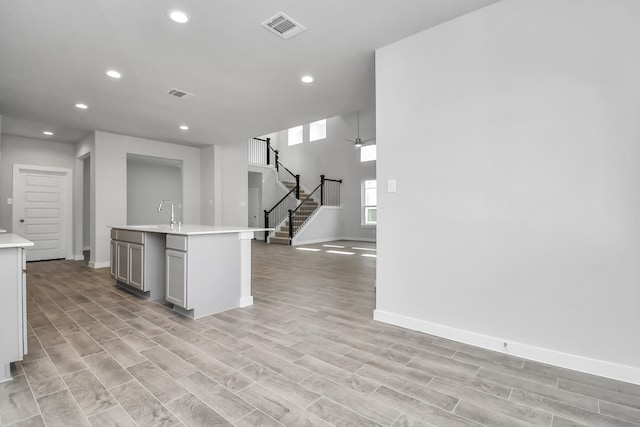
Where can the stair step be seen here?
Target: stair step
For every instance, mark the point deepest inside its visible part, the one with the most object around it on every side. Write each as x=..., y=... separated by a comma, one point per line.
x=279, y=240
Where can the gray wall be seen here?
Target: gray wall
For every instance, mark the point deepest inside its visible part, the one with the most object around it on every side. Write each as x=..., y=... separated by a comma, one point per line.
x=28, y=151
x=86, y=204
x=207, y=186
x=109, y=169
x=150, y=180
x=513, y=135
x=230, y=180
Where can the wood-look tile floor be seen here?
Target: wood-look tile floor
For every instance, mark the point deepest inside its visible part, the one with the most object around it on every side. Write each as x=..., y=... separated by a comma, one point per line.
x=307, y=353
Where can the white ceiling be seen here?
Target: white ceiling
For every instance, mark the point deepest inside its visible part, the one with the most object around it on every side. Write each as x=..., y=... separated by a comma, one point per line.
x=54, y=54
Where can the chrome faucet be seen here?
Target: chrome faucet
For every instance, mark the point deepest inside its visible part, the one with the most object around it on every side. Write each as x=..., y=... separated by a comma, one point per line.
x=173, y=219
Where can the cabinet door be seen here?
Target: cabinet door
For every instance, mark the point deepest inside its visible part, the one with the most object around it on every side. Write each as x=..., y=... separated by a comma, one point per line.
x=22, y=253
x=136, y=266
x=122, y=262
x=176, y=266
x=114, y=259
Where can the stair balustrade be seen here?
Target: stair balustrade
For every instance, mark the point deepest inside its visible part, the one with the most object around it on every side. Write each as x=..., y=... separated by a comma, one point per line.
x=295, y=205
x=329, y=193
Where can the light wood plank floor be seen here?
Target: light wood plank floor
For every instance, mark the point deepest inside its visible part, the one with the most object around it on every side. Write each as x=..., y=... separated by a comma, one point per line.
x=305, y=354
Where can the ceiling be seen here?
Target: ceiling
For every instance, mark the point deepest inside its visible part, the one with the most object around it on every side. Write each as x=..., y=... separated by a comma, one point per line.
x=246, y=80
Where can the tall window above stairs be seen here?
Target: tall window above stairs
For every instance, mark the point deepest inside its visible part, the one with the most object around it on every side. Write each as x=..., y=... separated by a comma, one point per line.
x=318, y=130
x=295, y=135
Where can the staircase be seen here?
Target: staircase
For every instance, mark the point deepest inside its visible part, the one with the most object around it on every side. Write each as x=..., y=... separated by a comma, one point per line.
x=281, y=235
x=297, y=206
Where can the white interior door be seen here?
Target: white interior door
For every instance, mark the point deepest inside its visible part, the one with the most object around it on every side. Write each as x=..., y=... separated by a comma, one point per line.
x=41, y=210
x=253, y=207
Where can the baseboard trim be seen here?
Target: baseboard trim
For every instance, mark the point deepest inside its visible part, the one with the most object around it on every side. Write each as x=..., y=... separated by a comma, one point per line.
x=101, y=264
x=544, y=355
x=78, y=257
x=245, y=301
x=330, y=239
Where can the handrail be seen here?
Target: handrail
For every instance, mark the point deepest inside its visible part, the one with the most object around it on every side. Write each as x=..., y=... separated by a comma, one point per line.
x=280, y=201
x=285, y=168
x=332, y=194
x=306, y=198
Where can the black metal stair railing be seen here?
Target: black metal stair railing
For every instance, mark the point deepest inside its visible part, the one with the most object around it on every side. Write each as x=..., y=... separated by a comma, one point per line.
x=260, y=152
x=329, y=194
x=278, y=213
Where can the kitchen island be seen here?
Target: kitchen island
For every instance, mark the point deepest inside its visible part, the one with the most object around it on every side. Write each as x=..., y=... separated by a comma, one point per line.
x=13, y=304
x=199, y=269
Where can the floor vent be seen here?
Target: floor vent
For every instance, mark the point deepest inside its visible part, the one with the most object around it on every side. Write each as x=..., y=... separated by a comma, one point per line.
x=180, y=93
x=283, y=26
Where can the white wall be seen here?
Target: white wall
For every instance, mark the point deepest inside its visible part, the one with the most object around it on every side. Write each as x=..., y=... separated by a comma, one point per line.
x=28, y=151
x=230, y=179
x=86, y=204
x=110, y=183
x=150, y=180
x=513, y=134
x=323, y=226
x=207, y=186
x=84, y=155
x=2, y=224
x=338, y=159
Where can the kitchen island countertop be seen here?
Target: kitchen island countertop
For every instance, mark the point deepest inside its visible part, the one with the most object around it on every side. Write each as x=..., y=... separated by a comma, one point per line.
x=10, y=240
x=190, y=229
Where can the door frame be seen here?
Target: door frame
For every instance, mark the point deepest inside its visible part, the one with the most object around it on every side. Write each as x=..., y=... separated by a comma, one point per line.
x=67, y=220
x=256, y=191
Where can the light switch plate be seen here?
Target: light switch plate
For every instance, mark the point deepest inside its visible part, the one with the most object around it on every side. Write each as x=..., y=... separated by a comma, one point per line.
x=391, y=186
x=9, y=201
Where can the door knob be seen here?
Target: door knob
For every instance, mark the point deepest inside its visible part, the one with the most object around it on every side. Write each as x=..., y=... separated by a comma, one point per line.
x=22, y=220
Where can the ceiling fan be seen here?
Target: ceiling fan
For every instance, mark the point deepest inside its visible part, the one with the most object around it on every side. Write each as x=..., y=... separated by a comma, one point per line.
x=359, y=142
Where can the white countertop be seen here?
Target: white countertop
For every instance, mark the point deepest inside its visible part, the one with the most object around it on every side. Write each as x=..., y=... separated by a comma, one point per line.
x=189, y=229
x=10, y=240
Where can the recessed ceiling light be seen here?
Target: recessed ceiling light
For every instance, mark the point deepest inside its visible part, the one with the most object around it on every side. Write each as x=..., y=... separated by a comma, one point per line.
x=307, y=79
x=184, y=127
x=81, y=106
x=47, y=132
x=114, y=74
x=179, y=16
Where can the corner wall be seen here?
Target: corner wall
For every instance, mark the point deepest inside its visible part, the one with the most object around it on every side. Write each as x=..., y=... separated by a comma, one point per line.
x=513, y=134
x=109, y=168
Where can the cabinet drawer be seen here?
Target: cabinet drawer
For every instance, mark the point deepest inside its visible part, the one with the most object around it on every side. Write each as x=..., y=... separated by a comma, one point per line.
x=176, y=242
x=130, y=236
x=114, y=234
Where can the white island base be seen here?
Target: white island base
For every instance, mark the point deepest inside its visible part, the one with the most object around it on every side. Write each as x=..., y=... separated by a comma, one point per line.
x=13, y=304
x=203, y=269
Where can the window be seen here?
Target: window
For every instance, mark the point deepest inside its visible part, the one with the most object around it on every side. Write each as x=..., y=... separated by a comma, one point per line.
x=295, y=135
x=367, y=153
x=369, y=202
x=318, y=130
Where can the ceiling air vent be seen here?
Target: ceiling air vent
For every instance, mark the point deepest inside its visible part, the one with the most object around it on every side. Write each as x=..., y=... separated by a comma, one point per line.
x=180, y=93
x=283, y=26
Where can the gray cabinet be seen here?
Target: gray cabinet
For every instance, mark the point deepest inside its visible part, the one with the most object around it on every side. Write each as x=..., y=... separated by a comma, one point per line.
x=136, y=266
x=177, y=271
x=122, y=262
x=176, y=291
x=137, y=261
